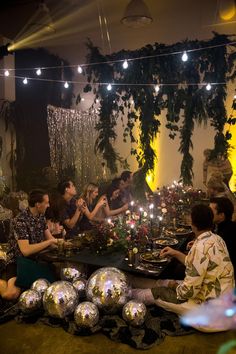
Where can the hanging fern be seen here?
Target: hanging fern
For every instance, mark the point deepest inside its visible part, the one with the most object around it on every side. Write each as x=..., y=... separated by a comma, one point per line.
x=137, y=84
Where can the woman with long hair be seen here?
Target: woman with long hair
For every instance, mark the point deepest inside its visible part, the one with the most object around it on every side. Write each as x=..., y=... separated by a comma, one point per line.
x=93, y=211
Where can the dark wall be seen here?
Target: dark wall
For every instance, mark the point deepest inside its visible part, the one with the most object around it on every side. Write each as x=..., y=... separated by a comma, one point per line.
x=31, y=102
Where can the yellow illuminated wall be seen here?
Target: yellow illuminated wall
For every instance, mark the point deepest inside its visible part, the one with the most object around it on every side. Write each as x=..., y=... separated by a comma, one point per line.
x=153, y=176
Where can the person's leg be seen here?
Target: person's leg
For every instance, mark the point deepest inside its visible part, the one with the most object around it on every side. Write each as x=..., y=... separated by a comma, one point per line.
x=157, y=289
x=12, y=292
x=3, y=286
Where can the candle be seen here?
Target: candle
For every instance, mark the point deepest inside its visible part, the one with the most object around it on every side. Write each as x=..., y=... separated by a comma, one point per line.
x=132, y=232
x=151, y=219
x=140, y=215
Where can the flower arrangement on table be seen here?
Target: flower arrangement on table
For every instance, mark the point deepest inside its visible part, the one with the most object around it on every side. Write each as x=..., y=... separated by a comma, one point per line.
x=175, y=200
x=110, y=237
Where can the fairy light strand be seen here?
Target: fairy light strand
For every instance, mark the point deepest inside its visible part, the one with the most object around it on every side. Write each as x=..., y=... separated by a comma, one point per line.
x=130, y=59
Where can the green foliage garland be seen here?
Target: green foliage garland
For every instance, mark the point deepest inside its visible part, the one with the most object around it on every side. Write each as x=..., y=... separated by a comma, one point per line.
x=185, y=105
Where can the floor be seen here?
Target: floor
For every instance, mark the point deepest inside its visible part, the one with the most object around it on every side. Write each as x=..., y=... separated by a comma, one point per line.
x=41, y=339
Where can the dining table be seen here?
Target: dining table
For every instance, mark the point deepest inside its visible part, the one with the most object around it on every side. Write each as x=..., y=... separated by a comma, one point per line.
x=117, y=259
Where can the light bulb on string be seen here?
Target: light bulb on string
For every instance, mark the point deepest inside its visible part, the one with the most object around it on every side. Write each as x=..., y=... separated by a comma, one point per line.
x=79, y=69
x=82, y=99
x=25, y=81
x=109, y=87
x=6, y=73
x=208, y=87
x=235, y=97
x=97, y=100
x=184, y=56
x=125, y=64
x=157, y=88
x=38, y=72
x=66, y=85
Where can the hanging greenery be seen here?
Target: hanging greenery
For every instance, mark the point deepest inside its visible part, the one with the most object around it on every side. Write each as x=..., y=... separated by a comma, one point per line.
x=133, y=95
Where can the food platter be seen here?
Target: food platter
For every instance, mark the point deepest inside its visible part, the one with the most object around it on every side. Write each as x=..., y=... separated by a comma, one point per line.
x=179, y=231
x=168, y=241
x=152, y=257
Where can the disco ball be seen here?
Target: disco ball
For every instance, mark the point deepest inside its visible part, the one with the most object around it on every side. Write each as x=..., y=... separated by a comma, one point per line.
x=60, y=299
x=80, y=286
x=86, y=314
x=30, y=301
x=40, y=285
x=108, y=289
x=70, y=274
x=134, y=313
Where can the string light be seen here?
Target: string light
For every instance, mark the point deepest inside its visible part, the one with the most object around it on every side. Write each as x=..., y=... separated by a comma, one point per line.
x=82, y=99
x=6, y=73
x=109, y=87
x=157, y=88
x=38, y=72
x=25, y=81
x=208, y=87
x=66, y=85
x=97, y=100
x=79, y=69
x=125, y=64
x=185, y=56
x=234, y=97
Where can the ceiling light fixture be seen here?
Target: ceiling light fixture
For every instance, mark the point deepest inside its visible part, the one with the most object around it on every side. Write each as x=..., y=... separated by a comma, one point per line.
x=136, y=14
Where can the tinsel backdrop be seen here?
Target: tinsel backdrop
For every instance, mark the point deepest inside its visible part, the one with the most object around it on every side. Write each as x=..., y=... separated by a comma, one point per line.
x=72, y=136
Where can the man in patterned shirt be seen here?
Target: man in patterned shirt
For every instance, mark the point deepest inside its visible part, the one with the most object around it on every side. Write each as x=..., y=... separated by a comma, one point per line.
x=208, y=273
x=29, y=235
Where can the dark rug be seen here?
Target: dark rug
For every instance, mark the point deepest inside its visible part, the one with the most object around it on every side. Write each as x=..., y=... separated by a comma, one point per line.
x=158, y=324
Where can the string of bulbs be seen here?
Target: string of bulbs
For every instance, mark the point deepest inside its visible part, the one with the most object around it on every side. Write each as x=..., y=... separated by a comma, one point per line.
x=125, y=65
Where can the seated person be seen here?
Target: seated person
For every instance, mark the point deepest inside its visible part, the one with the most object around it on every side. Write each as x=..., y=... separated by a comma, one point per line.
x=125, y=190
x=141, y=190
x=114, y=202
x=208, y=273
x=216, y=164
x=118, y=184
x=96, y=212
x=223, y=211
x=217, y=188
x=29, y=235
x=70, y=213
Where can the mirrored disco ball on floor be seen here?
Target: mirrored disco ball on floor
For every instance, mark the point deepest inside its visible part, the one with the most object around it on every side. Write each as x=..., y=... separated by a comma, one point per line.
x=134, y=313
x=40, y=285
x=108, y=289
x=80, y=286
x=60, y=299
x=30, y=301
x=70, y=274
x=86, y=314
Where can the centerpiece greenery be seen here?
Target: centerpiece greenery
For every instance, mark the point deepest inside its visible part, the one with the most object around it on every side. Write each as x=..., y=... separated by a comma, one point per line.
x=182, y=96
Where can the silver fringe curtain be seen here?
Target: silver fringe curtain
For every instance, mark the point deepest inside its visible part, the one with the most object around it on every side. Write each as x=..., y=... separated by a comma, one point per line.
x=72, y=136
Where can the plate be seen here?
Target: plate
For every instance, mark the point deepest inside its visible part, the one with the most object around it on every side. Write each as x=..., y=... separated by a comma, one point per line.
x=166, y=241
x=179, y=231
x=152, y=257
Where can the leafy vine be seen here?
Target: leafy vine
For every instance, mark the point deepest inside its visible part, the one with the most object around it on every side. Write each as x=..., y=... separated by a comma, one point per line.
x=182, y=96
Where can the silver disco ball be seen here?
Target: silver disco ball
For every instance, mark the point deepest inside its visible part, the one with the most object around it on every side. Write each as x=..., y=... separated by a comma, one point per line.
x=80, y=286
x=70, y=274
x=30, y=301
x=40, y=285
x=60, y=299
x=108, y=289
x=134, y=313
x=86, y=314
